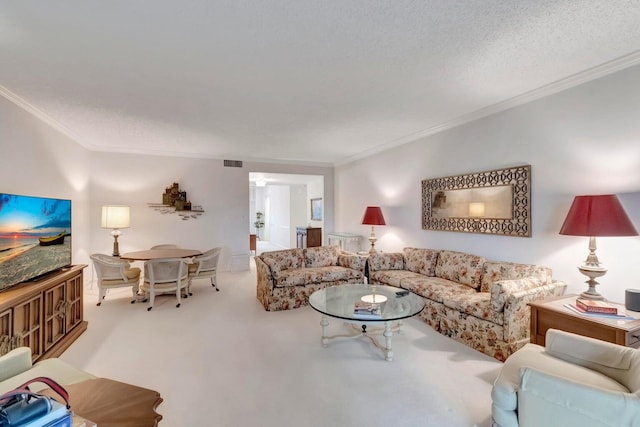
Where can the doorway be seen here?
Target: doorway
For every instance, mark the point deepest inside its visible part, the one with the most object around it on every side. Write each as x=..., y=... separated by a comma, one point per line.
x=284, y=203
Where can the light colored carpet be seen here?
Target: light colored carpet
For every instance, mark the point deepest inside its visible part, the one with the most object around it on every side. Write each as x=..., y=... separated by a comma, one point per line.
x=221, y=360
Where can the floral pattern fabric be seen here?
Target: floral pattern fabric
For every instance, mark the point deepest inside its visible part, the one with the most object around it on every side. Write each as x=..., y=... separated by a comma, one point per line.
x=476, y=333
x=460, y=267
x=391, y=277
x=495, y=271
x=459, y=311
x=305, y=276
x=476, y=304
x=283, y=281
x=435, y=288
x=386, y=261
x=349, y=260
x=421, y=261
x=501, y=289
x=321, y=256
x=453, y=307
x=279, y=261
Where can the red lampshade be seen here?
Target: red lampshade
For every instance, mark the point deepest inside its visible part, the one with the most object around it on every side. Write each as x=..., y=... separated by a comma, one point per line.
x=373, y=216
x=597, y=216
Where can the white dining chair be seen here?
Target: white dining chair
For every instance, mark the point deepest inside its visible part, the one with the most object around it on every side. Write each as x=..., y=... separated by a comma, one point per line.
x=114, y=272
x=163, y=276
x=205, y=265
x=164, y=246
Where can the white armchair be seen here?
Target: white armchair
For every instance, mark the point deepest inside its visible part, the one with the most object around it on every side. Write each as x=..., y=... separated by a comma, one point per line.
x=114, y=272
x=162, y=276
x=205, y=265
x=572, y=381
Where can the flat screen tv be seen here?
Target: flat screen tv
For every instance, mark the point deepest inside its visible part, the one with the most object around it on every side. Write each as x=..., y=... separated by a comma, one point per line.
x=35, y=237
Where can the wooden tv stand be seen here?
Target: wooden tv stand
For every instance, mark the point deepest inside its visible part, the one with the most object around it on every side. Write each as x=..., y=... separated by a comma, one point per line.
x=45, y=315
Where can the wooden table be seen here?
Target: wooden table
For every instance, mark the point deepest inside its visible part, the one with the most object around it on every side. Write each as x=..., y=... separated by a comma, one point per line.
x=552, y=313
x=110, y=403
x=150, y=254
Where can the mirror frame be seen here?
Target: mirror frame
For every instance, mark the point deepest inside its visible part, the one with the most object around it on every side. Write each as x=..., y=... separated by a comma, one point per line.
x=519, y=225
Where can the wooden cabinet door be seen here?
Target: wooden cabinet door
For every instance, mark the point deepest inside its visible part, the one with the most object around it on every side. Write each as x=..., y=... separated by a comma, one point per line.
x=74, y=302
x=27, y=325
x=6, y=331
x=314, y=237
x=55, y=302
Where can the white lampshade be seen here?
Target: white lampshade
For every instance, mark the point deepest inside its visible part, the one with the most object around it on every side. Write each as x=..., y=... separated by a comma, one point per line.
x=115, y=216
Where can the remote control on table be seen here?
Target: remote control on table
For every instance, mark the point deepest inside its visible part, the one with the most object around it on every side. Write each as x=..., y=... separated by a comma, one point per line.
x=402, y=293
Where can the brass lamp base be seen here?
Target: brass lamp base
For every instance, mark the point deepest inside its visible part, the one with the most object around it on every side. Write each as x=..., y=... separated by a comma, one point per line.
x=592, y=269
x=592, y=273
x=372, y=239
x=116, y=250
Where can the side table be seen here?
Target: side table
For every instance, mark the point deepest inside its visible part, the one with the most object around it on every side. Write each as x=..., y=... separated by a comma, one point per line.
x=111, y=403
x=551, y=313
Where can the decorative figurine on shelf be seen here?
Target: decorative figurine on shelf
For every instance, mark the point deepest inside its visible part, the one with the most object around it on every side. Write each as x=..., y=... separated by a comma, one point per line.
x=175, y=200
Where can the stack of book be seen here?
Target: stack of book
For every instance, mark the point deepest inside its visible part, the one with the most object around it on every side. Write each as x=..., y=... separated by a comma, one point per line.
x=367, y=310
x=601, y=309
x=593, y=306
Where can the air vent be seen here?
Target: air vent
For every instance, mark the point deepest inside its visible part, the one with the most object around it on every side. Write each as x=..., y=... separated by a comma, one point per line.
x=233, y=163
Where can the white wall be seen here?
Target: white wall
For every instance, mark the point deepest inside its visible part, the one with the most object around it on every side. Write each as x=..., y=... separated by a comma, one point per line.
x=280, y=222
x=36, y=160
x=223, y=192
x=585, y=140
x=298, y=210
x=314, y=191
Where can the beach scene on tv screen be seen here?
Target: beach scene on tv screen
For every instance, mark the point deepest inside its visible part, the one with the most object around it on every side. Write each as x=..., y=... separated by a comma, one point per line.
x=35, y=237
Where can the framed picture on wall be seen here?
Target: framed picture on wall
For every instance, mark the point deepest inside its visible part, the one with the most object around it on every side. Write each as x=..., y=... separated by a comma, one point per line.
x=316, y=209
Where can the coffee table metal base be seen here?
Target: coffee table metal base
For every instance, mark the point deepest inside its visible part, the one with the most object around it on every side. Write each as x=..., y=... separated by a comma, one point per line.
x=360, y=327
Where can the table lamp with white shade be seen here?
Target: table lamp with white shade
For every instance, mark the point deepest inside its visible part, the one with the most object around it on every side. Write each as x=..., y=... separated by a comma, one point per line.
x=115, y=217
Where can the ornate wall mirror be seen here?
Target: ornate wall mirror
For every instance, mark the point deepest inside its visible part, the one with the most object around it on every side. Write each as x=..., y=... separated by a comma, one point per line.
x=491, y=202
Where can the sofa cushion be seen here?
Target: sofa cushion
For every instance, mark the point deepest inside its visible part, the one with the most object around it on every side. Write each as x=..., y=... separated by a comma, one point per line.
x=386, y=261
x=307, y=276
x=434, y=288
x=501, y=289
x=131, y=273
x=460, y=267
x=494, y=271
x=349, y=260
x=321, y=256
x=279, y=261
x=476, y=304
x=421, y=261
x=392, y=277
x=15, y=362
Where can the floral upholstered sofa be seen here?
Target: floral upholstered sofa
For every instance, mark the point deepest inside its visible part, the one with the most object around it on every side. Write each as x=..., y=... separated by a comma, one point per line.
x=480, y=303
x=286, y=278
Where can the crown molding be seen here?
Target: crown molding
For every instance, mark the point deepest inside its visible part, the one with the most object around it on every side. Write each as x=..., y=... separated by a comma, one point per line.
x=549, y=89
x=585, y=76
x=42, y=116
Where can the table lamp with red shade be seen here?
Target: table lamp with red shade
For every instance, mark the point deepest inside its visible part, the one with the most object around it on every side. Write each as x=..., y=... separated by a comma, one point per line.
x=373, y=216
x=593, y=216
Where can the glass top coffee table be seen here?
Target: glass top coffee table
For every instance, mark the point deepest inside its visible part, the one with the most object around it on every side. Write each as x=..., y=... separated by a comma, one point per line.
x=378, y=304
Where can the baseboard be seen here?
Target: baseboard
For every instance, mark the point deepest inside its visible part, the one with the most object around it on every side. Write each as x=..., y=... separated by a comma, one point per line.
x=239, y=262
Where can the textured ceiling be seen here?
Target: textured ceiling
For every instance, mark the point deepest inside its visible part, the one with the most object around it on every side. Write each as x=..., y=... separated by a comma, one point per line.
x=292, y=80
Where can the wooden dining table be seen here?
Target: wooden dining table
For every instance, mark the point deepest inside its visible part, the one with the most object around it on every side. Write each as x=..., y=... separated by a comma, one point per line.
x=165, y=253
